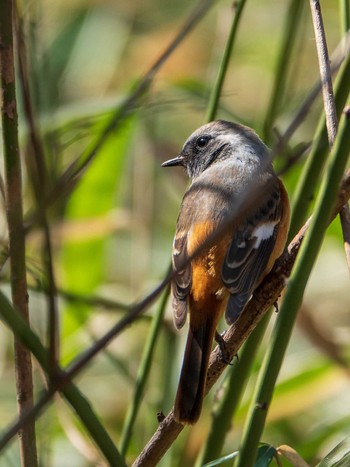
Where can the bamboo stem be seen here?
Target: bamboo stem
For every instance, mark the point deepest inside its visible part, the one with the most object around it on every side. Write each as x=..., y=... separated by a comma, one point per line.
x=293, y=298
x=215, y=95
x=23, y=364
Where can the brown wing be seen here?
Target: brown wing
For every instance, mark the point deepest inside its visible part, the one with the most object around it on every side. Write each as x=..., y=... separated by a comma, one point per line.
x=181, y=283
x=249, y=253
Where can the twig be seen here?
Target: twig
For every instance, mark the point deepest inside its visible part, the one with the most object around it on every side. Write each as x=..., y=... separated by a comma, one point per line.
x=13, y=186
x=293, y=158
x=91, y=300
x=265, y=296
x=325, y=71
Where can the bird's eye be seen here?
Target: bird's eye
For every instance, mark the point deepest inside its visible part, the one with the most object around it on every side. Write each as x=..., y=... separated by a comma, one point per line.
x=202, y=141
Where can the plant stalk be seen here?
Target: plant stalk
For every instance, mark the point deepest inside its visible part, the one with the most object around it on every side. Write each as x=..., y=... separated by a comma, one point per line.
x=13, y=189
x=294, y=295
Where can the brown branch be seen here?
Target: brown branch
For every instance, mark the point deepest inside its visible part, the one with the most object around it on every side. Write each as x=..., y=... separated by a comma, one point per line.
x=13, y=195
x=264, y=297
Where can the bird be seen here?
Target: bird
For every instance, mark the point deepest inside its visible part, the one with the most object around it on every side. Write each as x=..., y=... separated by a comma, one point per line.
x=231, y=228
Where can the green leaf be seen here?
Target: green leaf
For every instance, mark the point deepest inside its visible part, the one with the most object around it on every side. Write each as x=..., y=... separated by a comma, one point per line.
x=222, y=460
x=83, y=255
x=266, y=453
x=339, y=456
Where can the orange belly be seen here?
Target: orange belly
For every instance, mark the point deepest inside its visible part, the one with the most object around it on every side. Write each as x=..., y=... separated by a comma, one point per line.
x=207, y=287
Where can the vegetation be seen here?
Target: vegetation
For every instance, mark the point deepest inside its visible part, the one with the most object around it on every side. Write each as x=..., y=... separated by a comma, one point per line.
x=104, y=93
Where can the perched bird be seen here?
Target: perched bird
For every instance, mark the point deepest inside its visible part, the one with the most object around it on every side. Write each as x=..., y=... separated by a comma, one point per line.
x=236, y=200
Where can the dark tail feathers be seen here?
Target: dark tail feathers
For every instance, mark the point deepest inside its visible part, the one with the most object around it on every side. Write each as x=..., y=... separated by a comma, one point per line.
x=190, y=392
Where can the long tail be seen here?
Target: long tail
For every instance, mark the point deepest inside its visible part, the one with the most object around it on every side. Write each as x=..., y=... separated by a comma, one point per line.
x=190, y=392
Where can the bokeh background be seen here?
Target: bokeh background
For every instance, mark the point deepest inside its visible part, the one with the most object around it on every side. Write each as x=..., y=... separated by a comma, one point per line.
x=112, y=234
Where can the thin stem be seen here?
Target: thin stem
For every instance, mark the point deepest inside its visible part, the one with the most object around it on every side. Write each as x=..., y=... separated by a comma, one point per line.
x=292, y=23
x=23, y=365
x=39, y=178
x=325, y=71
x=215, y=95
x=344, y=15
x=293, y=298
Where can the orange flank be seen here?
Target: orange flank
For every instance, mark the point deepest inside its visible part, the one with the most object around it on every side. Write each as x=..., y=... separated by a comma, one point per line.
x=207, y=266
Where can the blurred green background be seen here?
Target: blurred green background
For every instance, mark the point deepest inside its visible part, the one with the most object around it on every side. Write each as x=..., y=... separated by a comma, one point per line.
x=112, y=235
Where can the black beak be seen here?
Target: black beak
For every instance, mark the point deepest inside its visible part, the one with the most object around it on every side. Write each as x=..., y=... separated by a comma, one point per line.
x=178, y=160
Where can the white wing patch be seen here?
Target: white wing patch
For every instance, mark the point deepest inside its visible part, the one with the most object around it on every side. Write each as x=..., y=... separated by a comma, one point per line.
x=263, y=232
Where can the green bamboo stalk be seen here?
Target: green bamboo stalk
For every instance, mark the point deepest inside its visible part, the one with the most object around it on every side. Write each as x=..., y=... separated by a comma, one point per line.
x=294, y=295
x=291, y=27
x=233, y=390
x=143, y=374
x=344, y=16
x=70, y=392
x=23, y=364
x=215, y=95
x=222, y=418
x=310, y=176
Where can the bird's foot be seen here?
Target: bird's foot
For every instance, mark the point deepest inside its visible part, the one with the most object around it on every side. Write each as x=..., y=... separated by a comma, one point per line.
x=224, y=353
